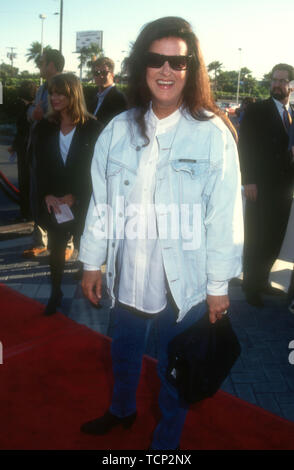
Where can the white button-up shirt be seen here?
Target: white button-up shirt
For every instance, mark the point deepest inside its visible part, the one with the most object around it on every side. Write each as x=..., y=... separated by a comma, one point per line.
x=142, y=282
x=280, y=108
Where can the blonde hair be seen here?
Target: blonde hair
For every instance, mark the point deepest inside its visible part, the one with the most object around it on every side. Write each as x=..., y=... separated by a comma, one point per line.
x=69, y=85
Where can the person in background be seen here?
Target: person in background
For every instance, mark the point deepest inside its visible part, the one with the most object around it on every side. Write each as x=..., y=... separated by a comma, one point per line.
x=244, y=105
x=109, y=101
x=267, y=176
x=173, y=148
x=26, y=95
x=63, y=146
x=291, y=150
x=51, y=64
x=291, y=134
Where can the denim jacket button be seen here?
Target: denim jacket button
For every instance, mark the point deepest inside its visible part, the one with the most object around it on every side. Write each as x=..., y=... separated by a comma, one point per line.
x=126, y=182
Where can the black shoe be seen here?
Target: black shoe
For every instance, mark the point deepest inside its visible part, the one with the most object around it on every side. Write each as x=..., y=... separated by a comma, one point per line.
x=106, y=422
x=254, y=298
x=270, y=290
x=53, y=303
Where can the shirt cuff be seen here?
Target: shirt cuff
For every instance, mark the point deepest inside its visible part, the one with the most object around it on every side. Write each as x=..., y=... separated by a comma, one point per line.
x=217, y=287
x=90, y=267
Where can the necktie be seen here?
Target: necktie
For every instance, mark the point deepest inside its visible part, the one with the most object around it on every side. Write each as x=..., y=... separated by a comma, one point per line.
x=287, y=119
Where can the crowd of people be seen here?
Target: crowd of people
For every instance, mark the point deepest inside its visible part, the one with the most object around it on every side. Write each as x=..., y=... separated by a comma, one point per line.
x=151, y=187
x=55, y=140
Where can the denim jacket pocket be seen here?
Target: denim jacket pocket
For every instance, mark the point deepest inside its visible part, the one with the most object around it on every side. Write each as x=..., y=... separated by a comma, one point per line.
x=193, y=167
x=113, y=168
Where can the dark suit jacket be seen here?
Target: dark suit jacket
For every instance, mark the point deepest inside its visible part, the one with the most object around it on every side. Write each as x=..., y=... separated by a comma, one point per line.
x=291, y=134
x=263, y=146
x=74, y=177
x=114, y=103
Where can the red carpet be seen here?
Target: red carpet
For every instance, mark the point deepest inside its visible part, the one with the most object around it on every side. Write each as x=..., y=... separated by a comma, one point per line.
x=57, y=374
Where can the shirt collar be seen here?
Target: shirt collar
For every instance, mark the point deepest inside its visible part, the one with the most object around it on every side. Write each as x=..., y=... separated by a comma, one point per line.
x=162, y=125
x=280, y=105
x=103, y=93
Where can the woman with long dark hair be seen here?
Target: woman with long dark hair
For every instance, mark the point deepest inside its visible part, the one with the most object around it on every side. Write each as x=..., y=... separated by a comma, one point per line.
x=63, y=146
x=165, y=214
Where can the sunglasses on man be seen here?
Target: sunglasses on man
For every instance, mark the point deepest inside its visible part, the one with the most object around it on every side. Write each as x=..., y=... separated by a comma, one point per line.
x=176, y=62
x=102, y=73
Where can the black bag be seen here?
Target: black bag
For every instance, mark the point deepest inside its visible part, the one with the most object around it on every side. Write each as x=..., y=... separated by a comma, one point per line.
x=201, y=358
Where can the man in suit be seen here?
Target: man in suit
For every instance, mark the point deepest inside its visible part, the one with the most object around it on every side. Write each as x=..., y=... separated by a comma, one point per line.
x=109, y=101
x=267, y=176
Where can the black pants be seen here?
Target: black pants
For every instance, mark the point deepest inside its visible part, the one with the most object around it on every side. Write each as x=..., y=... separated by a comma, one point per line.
x=57, y=241
x=265, y=226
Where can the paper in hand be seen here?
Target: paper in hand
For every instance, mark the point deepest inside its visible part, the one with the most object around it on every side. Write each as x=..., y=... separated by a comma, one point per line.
x=65, y=214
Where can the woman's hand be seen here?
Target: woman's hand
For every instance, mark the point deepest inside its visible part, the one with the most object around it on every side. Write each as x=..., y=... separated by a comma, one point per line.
x=52, y=203
x=92, y=286
x=68, y=199
x=217, y=305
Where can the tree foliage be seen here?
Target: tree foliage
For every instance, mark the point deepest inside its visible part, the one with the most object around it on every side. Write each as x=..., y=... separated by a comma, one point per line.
x=215, y=67
x=88, y=55
x=227, y=81
x=7, y=73
x=34, y=52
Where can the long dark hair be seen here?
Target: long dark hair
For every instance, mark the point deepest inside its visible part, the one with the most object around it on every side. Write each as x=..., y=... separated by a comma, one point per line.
x=197, y=97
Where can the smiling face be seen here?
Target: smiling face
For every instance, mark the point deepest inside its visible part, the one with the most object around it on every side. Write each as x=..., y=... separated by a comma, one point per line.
x=59, y=102
x=166, y=84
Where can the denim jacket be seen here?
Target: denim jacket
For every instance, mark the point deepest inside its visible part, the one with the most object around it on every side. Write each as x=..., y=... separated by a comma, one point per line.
x=198, y=167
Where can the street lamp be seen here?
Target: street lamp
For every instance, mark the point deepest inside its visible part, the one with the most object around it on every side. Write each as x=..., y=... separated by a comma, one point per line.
x=42, y=17
x=60, y=25
x=239, y=76
x=60, y=13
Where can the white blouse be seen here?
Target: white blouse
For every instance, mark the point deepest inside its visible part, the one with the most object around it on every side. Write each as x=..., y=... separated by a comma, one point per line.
x=64, y=143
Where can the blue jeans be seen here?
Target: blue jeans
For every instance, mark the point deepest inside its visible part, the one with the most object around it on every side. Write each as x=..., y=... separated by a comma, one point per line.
x=128, y=346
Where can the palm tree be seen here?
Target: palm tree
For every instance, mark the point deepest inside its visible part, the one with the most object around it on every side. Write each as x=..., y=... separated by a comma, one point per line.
x=34, y=52
x=88, y=55
x=215, y=67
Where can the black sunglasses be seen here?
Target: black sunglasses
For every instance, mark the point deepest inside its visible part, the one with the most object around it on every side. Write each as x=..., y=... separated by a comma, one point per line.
x=97, y=73
x=176, y=62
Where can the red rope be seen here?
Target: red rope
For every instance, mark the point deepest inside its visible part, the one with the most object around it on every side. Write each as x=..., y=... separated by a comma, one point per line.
x=7, y=182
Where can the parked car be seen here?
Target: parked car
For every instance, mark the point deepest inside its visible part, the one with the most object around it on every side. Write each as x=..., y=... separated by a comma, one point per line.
x=232, y=108
x=223, y=107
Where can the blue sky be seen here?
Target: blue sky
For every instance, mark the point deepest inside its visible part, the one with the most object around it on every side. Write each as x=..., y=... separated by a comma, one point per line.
x=263, y=29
